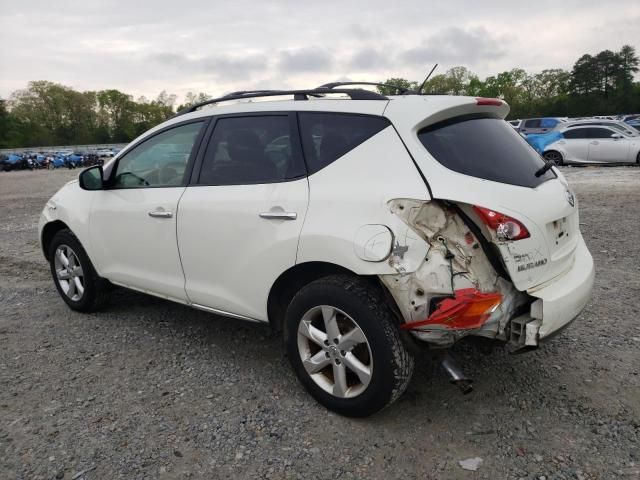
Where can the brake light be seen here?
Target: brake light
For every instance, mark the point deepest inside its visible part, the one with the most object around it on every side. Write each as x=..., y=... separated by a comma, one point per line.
x=469, y=309
x=494, y=102
x=506, y=228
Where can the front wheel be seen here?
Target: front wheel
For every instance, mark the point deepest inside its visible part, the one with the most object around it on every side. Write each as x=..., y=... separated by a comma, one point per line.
x=73, y=274
x=344, y=346
x=553, y=156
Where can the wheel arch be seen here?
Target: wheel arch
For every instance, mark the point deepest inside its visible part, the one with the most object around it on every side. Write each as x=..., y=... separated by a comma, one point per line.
x=292, y=280
x=48, y=232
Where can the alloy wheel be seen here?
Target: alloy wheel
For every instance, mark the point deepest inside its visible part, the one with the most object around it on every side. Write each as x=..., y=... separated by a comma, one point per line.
x=69, y=273
x=335, y=351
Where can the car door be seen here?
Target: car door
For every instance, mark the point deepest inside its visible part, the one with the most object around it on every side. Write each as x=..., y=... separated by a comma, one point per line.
x=132, y=228
x=604, y=148
x=240, y=219
x=575, y=144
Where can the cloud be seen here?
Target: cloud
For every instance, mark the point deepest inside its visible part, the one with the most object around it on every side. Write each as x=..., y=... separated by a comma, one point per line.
x=216, y=47
x=308, y=59
x=215, y=66
x=455, y=45
x=369, y=59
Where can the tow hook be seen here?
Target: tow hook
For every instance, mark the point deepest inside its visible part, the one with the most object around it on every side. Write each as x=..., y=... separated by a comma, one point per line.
x=458, y=378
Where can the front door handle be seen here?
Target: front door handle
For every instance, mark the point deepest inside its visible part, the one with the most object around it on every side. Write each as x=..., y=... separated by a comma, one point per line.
x=594, y=143
x=279, y=215
x=160, y=214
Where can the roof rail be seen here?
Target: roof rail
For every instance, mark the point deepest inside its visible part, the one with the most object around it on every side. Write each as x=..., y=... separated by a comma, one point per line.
x=353, y=93
x=401, y=90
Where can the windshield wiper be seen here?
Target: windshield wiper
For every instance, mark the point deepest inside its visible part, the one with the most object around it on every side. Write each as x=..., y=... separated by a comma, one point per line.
x=542, y=170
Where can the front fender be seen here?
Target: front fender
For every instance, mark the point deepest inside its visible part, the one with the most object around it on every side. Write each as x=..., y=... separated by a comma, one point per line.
x=72, y=206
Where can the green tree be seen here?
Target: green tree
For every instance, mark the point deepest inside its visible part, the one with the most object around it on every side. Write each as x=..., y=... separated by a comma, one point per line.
x=397, y=82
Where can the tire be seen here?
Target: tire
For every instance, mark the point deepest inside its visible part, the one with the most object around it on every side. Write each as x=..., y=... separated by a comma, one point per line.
x=554, y=156
x=65, y=253
x=638, y=158
x=359, y=312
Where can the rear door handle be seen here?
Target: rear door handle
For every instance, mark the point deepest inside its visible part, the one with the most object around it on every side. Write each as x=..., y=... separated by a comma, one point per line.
x=594, y=143
x=279, y=215
x=160, y=214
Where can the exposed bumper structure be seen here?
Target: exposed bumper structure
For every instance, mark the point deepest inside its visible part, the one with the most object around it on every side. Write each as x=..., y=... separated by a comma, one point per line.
x=561, y=301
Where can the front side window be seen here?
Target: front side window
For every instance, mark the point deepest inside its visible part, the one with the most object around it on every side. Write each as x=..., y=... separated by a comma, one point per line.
x=160, y=161
x=535, y=123
x=328, y=136
x=595, y=132
x=251, y=150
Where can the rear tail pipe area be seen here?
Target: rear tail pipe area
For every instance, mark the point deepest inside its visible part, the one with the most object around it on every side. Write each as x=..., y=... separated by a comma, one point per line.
x=458, y=378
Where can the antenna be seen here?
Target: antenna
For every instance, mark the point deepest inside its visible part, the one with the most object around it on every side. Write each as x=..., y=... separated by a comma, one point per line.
x=426, y=79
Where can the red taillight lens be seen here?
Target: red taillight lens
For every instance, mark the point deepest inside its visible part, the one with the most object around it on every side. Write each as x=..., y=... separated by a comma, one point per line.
x=469, y=309
x=506, y=228
x=494, y=102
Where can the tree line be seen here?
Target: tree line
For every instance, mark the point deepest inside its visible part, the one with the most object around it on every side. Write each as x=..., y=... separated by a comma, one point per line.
x=47, y=113
x=601, y=84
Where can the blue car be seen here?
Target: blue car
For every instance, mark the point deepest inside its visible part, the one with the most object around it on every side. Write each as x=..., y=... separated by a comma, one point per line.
x=13, y=161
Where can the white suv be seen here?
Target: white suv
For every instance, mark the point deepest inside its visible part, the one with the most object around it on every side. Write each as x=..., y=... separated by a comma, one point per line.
x=359, y=225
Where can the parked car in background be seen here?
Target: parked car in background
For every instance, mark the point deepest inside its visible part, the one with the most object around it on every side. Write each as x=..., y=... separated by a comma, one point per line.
x=593, y=144
x=540, y=125
x=13, y=161
x=104, y=152
x=622, y=127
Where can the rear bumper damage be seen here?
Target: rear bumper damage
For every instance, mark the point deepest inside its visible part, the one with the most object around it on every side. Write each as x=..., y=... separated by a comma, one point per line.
x=455, y=292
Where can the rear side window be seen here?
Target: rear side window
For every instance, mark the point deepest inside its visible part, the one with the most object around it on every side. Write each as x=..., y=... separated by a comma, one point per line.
x=328, y=136
x=485, y=148
x=251, y=150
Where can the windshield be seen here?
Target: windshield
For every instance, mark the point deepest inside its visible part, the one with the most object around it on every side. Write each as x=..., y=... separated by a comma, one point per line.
x=485, y=148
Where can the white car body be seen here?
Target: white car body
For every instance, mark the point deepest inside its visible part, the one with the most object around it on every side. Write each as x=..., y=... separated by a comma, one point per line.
x=105, y=152
x=596, y=144
x=387, y=211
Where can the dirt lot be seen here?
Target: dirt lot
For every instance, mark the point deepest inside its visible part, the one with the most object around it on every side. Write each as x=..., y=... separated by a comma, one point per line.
x=150, y=389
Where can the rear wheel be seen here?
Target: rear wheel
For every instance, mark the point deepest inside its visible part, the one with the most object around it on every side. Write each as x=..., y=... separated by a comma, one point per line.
x=553, y=156
x=73, y=274
x=344, y=346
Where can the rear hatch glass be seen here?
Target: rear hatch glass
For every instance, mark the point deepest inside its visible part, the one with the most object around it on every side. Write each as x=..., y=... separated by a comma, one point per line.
x=484, y=147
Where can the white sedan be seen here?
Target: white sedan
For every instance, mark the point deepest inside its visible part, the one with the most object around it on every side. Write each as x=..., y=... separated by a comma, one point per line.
x=593, y=144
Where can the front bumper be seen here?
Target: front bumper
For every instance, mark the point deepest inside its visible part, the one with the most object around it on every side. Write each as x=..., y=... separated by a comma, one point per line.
x=562, y=300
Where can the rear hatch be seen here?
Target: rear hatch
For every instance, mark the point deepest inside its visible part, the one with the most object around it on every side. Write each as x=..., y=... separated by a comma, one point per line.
x=469, y=155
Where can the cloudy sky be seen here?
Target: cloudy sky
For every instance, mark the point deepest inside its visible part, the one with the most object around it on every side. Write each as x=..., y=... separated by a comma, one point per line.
x=216, y=46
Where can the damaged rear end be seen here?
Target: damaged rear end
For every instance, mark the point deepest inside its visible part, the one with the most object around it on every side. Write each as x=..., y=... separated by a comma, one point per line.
x=504, y=258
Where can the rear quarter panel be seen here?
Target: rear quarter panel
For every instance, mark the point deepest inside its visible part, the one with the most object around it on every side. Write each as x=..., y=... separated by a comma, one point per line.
x=354, y=191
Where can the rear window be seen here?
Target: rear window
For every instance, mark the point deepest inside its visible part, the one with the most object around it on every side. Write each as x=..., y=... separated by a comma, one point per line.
x=485, y=148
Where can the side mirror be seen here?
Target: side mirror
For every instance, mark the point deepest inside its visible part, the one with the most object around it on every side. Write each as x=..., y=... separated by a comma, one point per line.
x=617, y=136
x=91, y=178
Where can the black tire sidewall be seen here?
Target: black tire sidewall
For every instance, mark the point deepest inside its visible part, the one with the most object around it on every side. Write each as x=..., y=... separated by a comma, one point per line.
x=560, y=160
x=87, y=302
x=381, y=387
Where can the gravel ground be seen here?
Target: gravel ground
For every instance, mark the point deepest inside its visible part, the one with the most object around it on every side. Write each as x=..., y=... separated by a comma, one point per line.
x=151, y=389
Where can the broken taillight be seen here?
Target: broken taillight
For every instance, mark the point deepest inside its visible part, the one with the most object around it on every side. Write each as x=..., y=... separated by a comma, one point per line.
x=468, y=310
x=506, y=227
